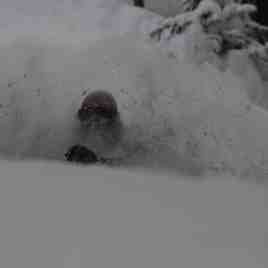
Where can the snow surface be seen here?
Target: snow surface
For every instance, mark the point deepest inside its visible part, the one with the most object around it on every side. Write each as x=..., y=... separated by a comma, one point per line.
x=128, y=218
x=181, y=116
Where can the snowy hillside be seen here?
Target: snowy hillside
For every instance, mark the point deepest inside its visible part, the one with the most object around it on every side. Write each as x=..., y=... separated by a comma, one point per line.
x=53, y=215
x=190, y=189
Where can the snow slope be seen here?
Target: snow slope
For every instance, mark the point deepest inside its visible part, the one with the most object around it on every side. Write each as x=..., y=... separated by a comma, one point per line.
x=54, y=215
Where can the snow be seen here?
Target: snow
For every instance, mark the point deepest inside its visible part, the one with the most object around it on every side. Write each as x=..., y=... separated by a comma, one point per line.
x=171, y=120
x=191, y=120
x=165, y=8
x=128, y=218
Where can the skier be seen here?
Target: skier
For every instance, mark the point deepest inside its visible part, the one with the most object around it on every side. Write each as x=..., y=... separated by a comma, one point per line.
x=98, y=112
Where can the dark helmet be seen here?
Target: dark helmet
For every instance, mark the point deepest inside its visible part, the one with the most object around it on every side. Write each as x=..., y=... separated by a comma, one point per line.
x=98, y=104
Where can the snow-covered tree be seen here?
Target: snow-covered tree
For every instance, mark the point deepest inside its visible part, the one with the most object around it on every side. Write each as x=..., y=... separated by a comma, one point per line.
x=230, y=20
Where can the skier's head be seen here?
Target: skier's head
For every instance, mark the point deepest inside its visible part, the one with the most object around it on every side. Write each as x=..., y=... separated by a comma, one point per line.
x=98, y=105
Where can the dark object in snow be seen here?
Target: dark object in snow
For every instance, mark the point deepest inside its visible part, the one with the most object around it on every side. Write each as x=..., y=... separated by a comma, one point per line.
x=139, y=3
x=81, y=154
x=97, y=106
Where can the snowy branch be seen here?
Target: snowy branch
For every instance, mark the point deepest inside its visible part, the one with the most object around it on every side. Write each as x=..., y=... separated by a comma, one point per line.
x=230, y=20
